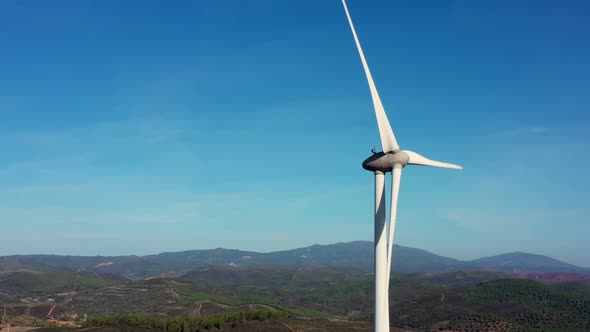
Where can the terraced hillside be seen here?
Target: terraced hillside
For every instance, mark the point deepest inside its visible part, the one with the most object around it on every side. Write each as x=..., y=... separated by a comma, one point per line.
x=454, y=301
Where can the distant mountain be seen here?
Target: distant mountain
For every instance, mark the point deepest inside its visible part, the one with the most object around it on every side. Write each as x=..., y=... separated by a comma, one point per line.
x=518, y=262
x=358, y=254
x=129, y=266
x=191, y=259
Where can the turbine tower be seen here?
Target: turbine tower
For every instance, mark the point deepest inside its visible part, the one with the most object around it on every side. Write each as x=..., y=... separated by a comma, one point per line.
x=391, y=159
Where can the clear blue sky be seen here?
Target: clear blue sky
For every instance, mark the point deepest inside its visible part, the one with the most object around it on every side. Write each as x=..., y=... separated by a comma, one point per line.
x=134, y=128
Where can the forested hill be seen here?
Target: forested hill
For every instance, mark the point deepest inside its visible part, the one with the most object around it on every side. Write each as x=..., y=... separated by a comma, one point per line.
x=357, y=255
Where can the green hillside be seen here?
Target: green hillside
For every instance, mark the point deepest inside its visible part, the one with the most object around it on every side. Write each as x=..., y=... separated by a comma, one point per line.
x=454, y=301
x=36, y=283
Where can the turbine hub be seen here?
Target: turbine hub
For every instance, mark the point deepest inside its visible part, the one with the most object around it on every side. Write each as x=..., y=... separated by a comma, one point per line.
x=384, y=162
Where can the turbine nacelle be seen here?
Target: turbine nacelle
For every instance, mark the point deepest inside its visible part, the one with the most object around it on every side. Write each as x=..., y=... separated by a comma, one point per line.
x=385, y=162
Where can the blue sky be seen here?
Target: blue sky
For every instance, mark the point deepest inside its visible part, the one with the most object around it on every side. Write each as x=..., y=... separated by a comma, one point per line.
x=133, y=128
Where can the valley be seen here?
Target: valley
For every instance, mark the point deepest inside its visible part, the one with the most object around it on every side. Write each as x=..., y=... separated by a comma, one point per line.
x=74, y=291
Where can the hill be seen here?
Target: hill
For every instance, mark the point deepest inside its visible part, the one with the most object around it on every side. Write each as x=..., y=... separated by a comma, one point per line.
x=35, y=283
x=358, y=255
x=518, y=262
x=457, y=301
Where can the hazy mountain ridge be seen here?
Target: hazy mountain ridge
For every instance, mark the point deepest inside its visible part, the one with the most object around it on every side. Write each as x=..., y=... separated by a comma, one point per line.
x=528, y=262
x=358, y=254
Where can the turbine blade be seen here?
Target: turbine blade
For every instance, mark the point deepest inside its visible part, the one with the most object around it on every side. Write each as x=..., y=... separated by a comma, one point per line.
x=388, y=142
x=396, y=176
x=416, y=159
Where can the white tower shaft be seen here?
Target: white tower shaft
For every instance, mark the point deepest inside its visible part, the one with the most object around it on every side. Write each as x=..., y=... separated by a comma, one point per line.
x=381, y=283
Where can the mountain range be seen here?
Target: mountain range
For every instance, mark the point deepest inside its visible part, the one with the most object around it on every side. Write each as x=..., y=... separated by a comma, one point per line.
x=358, y=254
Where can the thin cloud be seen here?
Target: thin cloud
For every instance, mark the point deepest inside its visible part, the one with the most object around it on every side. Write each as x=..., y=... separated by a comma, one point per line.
x=534, y=130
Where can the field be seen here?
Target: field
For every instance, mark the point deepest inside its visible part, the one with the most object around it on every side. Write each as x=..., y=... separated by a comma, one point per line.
x=300, y=298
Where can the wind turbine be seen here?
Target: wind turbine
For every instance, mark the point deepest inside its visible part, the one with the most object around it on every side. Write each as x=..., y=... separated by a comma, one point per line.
x=393, y=159
x=6, y=319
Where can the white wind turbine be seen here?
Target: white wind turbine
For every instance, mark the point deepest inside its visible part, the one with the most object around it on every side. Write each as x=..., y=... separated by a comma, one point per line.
x=393, y=160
